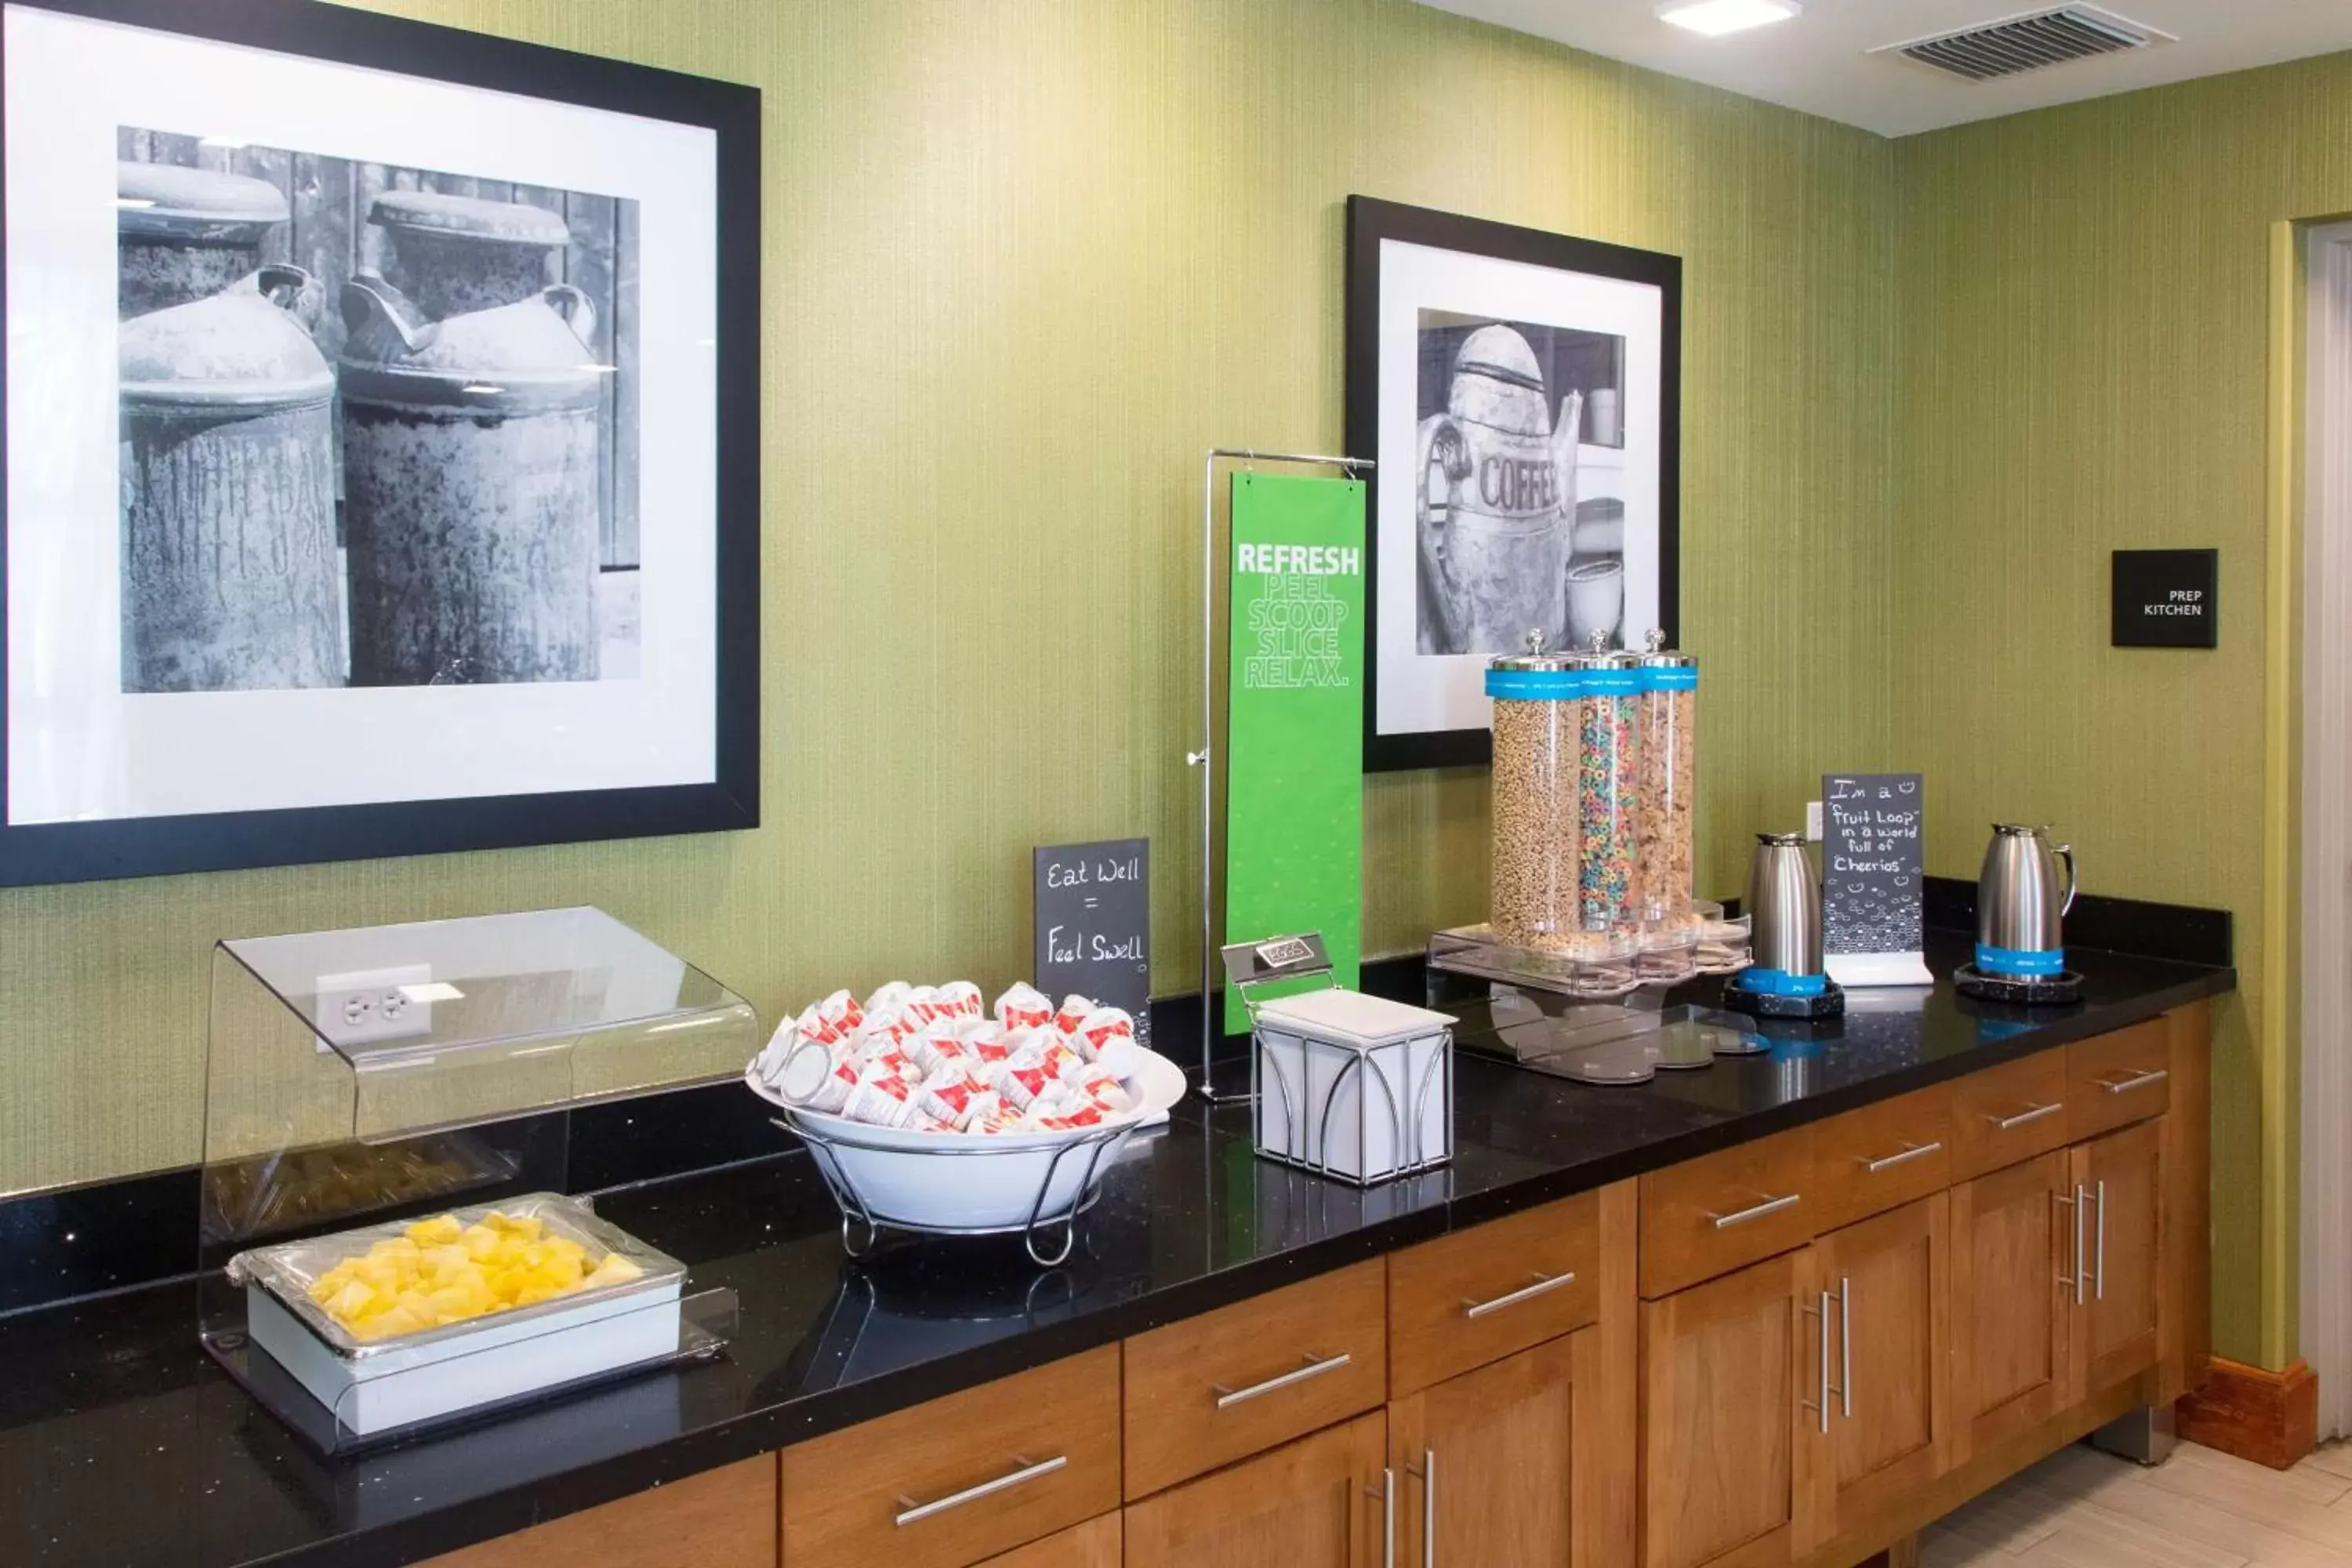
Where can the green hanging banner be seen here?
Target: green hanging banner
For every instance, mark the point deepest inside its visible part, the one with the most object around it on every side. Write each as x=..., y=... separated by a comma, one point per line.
x=1294, y=718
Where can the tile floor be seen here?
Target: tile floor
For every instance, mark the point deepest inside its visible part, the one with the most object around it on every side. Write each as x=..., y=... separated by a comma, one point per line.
x=2083, y=1508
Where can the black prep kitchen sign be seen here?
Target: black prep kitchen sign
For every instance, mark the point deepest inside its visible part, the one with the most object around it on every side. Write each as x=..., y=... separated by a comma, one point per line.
x=1094, y=925
x=2168, y=598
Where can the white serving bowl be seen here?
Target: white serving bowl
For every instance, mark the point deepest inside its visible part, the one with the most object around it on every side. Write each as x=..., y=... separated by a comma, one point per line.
x=975, y=1180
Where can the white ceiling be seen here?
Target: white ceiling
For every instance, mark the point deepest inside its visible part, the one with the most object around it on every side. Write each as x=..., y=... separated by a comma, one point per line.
x=1819, y=61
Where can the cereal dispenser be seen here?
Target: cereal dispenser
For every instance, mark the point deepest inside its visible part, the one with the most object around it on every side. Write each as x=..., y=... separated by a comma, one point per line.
x=1667, y=785
x=1607, y=793
x=1538, y=730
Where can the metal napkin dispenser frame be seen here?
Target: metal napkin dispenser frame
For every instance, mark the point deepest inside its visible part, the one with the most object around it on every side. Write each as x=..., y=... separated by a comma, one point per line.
x=1350, y=1106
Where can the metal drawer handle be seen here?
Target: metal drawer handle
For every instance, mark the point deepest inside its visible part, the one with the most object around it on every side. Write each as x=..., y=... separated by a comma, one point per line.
x=2135, y=1080
x=2099, y=1252
x=1315, y=1367
x=2075, y=1207
x=1387, y=1494
x=918, y=1511
x=1910, y=1152
x=2031, y=1113
x=1820, y=1313
x=1769, y=1206
x=1543, y=1283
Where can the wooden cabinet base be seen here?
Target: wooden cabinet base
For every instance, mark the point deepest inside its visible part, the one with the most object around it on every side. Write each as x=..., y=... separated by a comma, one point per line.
x=2270, y=1417
x=1314, y=1503
x=1094, y=1544
x=730, y=1515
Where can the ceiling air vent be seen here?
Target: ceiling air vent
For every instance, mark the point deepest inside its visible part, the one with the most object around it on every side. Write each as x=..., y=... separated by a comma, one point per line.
x=2029, y=42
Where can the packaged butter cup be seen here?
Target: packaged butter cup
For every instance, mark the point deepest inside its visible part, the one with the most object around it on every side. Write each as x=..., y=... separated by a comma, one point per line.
x=950, y=1102
x=1025, y=1007
x=888, y=997
x=841, y=1010
x=935, y=1048
x=1072, y=1013
x=881, y=1101
x=1023, y=1088
x=1102, y=1026
x=961, y=998
x=812, y=1025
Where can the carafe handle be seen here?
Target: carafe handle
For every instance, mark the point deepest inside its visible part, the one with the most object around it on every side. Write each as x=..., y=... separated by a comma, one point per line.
x=2067, y=852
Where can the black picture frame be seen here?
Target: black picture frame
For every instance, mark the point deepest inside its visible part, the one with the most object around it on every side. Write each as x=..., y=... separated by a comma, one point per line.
x=1371, y=221
x=57, y=852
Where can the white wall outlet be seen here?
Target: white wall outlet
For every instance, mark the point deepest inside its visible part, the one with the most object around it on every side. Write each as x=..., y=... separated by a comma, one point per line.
x=369, y=1004
x=1812, y=822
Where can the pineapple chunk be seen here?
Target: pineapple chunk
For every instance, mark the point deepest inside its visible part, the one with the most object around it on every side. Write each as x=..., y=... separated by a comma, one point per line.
x=436, y=1231
x=439, y=1271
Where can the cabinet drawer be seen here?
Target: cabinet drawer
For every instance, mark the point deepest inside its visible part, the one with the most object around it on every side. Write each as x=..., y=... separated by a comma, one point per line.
x=729, y=1514
x=1464, y=1300
x=1210, y=1390
x=1094, y=1544
x=1715, y=1213
x=2117, y=1078
x=936, y=1486
x=2008, y=1113
x=1883, y=1156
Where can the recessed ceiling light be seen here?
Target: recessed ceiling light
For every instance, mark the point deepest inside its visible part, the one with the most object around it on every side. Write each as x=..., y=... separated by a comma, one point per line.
x=1714, y=18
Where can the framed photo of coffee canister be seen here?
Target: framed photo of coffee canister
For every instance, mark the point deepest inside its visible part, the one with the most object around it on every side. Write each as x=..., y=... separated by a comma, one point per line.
x=381, y=441
x=1520, y=392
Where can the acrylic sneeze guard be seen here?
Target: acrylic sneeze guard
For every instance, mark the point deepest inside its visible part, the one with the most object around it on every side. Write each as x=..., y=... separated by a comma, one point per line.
x=356, y=1077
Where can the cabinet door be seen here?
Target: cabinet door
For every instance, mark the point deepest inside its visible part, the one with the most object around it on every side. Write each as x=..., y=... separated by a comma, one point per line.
x=2119, y=1181
x=1890, y=1426
x=2012, y=1300
x=1485, y=1462
x=1094, y=1544
x=1315, y=1503
x=1730, y=1370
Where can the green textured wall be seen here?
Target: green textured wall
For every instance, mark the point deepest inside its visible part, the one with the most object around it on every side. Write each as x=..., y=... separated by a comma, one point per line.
x=2084, y=349
x=1025, y=262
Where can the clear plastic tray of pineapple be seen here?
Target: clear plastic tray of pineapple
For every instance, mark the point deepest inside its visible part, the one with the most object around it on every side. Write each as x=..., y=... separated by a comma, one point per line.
x=419, y=1282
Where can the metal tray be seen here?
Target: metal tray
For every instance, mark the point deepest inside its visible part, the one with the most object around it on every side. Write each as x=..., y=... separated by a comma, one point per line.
x=289, y=1269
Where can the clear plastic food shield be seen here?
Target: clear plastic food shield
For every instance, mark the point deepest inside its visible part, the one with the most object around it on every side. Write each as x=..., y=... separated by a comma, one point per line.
x=392, y=1073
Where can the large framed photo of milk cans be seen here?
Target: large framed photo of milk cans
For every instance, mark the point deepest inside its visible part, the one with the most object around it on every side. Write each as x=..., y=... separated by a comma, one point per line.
x=1520, y=392
x=382, y=434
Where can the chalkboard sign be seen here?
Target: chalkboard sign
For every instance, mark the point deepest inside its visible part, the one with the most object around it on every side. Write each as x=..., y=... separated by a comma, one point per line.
x=1094, y=925
x=1872, y=929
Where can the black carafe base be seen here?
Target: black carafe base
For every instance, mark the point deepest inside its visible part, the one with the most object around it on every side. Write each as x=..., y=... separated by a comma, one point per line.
x=2060, y=989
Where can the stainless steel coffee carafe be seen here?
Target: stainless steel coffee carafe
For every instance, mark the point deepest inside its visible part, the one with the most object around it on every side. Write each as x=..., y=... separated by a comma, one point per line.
x=1785, y=900
x=2022, y=902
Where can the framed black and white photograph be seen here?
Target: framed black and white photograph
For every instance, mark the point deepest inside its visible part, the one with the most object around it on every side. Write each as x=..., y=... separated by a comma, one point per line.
x=1520, y=395
x=381, y=441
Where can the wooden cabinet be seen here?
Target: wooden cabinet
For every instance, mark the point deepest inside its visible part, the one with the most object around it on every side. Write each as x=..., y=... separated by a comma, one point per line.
x=1094, y=1544
x=1479, y=1295
x=962, y=1479
x=1882, y=1286
x=1883, y=1156
x=2008, y=1113
x=1709, y=1216
x=1486, y=1463
x=2114, y=1080
x=2012, y=1299
x=1320, y=1502
x=2119, y=1188
x=1731, y=1371
x=1237, y=1381
x=730, y=1515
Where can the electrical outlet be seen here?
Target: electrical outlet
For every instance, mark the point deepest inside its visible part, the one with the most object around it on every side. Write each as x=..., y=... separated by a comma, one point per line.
x=369, y=1004
x=1812, y=822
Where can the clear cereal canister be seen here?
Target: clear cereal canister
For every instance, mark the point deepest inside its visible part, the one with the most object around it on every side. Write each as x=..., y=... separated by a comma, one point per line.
x=1667, y=786
x=1538, y=727
x=1608, y=776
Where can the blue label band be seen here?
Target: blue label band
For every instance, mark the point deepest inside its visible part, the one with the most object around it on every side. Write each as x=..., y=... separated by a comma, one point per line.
x=1780, y=982
x=1671, y=678
x=1611, y=682
x=2029, y=964
x=1535, y=685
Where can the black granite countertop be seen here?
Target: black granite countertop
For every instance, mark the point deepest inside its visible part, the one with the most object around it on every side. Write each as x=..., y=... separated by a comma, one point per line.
x=122, y=1444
